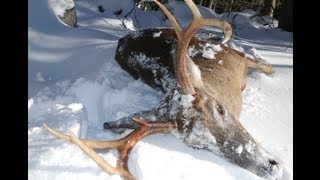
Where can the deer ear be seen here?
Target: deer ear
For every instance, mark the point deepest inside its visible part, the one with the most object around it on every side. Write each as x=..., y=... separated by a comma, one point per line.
x=194, y=74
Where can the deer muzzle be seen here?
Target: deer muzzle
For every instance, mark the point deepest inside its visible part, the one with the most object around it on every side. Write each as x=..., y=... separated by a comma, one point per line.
x=209, y=125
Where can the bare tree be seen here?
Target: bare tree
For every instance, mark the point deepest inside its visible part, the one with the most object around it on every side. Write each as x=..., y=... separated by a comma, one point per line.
x=210, y=4
x=230, y=6
x=269, y=7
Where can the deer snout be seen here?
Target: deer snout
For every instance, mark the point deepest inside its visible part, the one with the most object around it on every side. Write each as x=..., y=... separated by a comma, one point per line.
x=276, y=169
x=273, y=170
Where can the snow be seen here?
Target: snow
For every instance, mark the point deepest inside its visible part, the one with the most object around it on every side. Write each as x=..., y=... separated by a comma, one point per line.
x=142, y=60
x=239, y=149
x=192, y=51
x=39, y=77
x=73, y=106
x=249, y=147
x=75, y=84
x=158, y=34
x=201, y=138
x=30, y=103
x=115, y=5
x=208, y=50
x=59, y=6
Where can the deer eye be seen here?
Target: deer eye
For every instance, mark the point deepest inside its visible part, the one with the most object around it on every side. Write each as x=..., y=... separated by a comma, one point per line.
x=220, y=109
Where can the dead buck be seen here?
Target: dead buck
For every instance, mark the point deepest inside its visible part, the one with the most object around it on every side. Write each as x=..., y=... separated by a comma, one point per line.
x=203, y=98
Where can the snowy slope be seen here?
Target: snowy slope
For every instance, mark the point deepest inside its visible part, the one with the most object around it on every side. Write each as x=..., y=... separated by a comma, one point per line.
x=75, y=84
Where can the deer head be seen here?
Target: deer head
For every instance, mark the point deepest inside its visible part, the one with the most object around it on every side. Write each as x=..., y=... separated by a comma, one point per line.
x=201, y=107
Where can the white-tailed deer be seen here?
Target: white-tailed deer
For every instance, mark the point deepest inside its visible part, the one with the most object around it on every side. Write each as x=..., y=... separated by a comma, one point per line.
x=203, y=96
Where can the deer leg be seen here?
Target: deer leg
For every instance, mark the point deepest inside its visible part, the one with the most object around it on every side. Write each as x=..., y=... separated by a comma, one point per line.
x=259, y=65
x=120, y=125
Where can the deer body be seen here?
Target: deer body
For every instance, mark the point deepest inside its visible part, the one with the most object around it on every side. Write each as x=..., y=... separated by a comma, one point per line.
x=224, y=76
x=152, y=60
x=211, y=119
x=202, y=95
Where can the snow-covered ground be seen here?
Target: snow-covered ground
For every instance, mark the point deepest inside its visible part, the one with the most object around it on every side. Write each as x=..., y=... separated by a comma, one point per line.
x=75, y=84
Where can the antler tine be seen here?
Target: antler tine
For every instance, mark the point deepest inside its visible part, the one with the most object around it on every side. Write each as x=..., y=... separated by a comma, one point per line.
x=193, y=7
x=99, y=160
x=123, y=146
x=90, y=143
x=173, y=21
x=87, y=145
x=200, y=21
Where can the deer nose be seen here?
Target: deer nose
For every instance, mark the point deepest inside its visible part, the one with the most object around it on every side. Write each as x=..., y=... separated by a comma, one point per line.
x=273, y=162
x=275, y=170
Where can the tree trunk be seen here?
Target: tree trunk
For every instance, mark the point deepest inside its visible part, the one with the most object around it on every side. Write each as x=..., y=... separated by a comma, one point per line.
x=204, y=3
x=215, y=5
x=210, y=4
x=272, y=7
x=230, y=7
x=269, y=7
x=200, y=2
x=286, y=16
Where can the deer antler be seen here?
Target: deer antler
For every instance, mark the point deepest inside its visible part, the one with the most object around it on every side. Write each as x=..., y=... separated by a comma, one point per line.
x=184, y=37
x=124, y=145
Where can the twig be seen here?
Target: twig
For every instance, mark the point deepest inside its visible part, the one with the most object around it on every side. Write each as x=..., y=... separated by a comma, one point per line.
x=288, y=46
x=134, y=6
x=234, y=25
x=106, y=22
x=122, y=20
x=234, y=17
